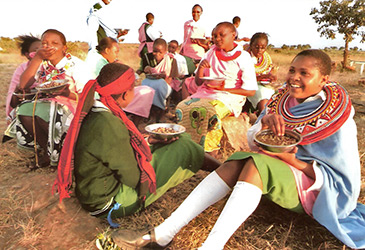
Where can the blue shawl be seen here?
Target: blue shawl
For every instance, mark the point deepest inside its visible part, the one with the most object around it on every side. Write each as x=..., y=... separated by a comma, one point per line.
x=337, y=155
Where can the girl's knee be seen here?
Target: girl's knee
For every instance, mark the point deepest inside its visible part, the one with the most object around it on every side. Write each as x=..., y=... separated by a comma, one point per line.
x=250, y=174
x=230, y=171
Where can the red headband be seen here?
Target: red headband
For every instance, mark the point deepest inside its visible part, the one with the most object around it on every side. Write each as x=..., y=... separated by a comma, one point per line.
x=120, y=85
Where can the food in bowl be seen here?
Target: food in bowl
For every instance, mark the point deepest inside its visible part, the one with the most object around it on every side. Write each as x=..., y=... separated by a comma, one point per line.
x=52, y=84
x=164, y=130
x=267, y=140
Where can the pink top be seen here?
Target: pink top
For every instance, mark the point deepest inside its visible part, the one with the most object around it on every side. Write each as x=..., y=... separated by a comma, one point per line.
x=14, y=82
x=239, y=73
x=192, y=29
x=165, y=65
x=142, y=39
x=304, y=183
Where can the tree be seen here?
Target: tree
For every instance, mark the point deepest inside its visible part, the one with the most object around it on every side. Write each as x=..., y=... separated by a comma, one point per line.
x=348, y=16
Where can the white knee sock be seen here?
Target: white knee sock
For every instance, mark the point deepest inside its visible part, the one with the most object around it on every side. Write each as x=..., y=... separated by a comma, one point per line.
x=240, y=205
x=208, y=192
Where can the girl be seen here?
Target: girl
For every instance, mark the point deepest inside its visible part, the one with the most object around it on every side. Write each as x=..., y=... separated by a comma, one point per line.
x=51, y=62
x=28, y=46
x=264, y=69
x=320, y=177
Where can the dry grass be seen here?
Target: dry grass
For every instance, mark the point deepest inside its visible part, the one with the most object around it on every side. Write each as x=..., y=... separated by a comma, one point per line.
x=31, y=218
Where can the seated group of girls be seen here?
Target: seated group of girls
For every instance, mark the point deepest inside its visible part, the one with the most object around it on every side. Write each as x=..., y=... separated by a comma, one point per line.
x=119, y=172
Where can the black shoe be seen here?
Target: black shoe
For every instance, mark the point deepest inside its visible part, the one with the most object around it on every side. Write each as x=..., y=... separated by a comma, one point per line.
x=131, y=239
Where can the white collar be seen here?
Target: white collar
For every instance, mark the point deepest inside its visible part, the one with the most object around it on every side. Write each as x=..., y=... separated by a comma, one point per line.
x=99, y=104
x=321, y=95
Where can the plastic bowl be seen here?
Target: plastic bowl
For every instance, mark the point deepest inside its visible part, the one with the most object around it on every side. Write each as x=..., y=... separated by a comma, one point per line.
x=278, y=148
x=213, y=81
x=158, y=135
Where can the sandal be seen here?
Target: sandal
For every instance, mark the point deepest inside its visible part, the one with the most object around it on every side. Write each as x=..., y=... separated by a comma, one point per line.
x=105, y=242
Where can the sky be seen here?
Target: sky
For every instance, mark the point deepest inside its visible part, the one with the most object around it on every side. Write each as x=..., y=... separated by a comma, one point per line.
x=286, y=21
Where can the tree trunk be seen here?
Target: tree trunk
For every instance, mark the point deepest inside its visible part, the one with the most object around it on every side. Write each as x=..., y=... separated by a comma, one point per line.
x=345, y=54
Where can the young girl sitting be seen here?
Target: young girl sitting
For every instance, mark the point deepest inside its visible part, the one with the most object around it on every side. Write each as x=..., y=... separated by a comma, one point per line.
x=321, y=176
x=116, y=172
x=161, y=76
x=202, y=113
x=45, y=121
x=264, y=69
x=28, y=46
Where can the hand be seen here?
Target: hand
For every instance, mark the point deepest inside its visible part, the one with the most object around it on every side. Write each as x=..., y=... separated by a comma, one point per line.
x=204, y=64
x=45, y=52
x=275, y=123
x=65, y=91
x=288, y=157
x=125, y=32
x=153, y=140
x=148, y=70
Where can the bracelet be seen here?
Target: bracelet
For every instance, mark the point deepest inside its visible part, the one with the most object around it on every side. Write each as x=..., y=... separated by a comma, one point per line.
x=146, y=139
x=76, y=95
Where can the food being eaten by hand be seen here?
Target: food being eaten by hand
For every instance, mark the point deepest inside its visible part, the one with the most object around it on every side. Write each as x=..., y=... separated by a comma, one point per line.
x=271, y=139
x=52, y=84
x=164, y=130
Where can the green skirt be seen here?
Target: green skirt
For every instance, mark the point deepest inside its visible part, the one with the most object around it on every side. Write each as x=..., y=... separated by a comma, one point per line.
x=278, y=181
x=55, y=114
x=42, y=109
x=173, y=163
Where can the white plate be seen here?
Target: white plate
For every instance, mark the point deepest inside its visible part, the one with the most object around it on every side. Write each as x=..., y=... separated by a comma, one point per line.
x=30, y=94
x=60, y=85
x=179, y=129
x=264, y=82
x=215, y=79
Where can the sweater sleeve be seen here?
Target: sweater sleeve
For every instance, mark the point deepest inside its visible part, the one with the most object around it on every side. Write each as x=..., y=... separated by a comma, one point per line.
x=104, y=145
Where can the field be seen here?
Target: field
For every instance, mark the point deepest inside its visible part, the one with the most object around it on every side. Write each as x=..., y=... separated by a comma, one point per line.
x=32, y=218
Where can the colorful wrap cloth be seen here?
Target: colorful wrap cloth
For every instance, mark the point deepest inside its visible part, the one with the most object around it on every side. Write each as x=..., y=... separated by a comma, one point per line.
x=202, y=119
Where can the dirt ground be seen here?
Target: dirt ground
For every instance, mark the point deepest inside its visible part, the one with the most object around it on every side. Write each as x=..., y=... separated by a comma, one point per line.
x=32, y=218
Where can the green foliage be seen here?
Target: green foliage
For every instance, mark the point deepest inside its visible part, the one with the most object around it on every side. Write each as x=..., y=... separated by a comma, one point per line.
x=8, y=45
x=345, y=17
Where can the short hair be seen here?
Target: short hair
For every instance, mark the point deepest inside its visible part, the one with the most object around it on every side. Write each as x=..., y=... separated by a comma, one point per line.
x=197, y=5
x=160, y=41
x=149, y=16
x=59, y=33
x=324, y=62
x=25, y=41
x=259, y=35
x=228, y=25
x=106, y=42
x=174, y=41
x=111, y=72
x=236, y=19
